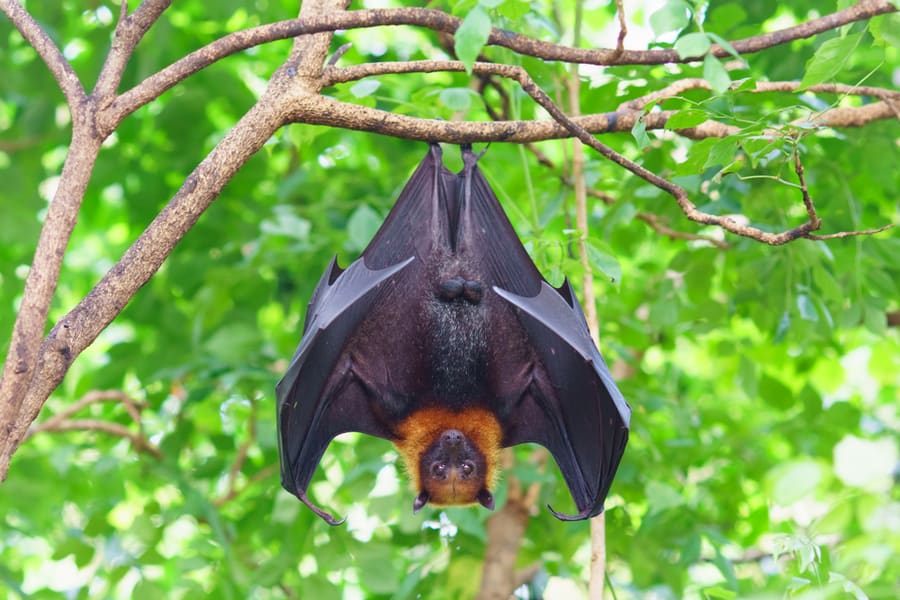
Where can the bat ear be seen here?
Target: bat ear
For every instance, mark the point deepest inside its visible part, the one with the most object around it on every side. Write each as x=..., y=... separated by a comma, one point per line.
x=486, y=499
x=420, y=501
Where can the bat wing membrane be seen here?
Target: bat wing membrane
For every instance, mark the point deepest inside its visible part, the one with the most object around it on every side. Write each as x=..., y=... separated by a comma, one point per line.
x=316, y=398
x=572, y=406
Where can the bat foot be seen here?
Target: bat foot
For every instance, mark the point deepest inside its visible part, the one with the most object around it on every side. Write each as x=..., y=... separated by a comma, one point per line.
x=324, y=515
x=585, y=514
x=451, y=289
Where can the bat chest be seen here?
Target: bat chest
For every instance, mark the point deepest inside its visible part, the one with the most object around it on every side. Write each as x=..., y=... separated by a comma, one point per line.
x=457, y=342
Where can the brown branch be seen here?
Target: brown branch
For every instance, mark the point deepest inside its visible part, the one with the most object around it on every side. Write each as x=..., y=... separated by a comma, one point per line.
x=428, y=130
x=505, y=532
x=679, y=194
x=621, y=121
x=677, y=88
x=139, y=442
x=129, y=31
x=623, y=28
x=656, y=222
x=26, y=350
x=22, y=390
x=846, y=234
x=63, y=421
x=94, y=397
x=156, y=84
x=807, y=201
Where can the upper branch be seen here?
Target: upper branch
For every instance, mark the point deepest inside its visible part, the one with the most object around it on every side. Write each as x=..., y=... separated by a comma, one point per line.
x=62, y=71
x=437, y=20
x=129, y=32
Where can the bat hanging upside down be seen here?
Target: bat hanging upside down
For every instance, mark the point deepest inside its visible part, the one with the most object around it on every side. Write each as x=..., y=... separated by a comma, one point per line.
x=444, y=339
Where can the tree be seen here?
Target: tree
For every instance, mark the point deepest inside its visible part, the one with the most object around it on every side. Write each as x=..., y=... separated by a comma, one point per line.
x=746, y=298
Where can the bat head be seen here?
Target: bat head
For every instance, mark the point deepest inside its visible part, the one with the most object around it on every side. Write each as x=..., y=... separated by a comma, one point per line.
x=451, y=455
x=453, y=471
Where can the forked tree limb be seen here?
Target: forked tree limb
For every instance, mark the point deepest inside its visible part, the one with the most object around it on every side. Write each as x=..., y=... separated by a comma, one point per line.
x=155, y=85
x=34, y=368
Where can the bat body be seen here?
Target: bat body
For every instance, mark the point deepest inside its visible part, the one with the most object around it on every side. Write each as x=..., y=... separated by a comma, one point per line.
x=444, y=339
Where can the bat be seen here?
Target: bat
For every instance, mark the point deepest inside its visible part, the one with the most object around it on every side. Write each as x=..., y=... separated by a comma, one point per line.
x=444, y=338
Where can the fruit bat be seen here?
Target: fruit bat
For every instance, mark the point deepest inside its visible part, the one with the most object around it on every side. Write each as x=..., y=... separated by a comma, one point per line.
x=444, y=339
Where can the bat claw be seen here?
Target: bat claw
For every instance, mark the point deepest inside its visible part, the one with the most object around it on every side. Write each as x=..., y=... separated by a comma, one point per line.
x=585, y=514
x=325, y=515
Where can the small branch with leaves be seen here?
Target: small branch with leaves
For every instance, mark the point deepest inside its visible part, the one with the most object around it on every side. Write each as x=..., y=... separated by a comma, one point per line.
x=64, y=421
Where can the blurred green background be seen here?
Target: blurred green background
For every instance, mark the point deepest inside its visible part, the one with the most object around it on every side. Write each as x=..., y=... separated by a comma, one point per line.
x=764, y=380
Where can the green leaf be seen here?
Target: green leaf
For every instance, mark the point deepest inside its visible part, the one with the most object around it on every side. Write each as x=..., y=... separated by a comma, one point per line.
x=794, y=480
x=829, y=59
x=692, y=45
x=361, y=227
x=639, y=132
x=775, y=393
x=685, y=119
x=471, y=36
x=719, y=592
x=457, y=98
x=724, y=44
x=721, y=153
x=673, y=16
x=662, y=496
x=364, y=88
x=807, y=308
x=604, y=261
x=715, y=74
x=886, y=30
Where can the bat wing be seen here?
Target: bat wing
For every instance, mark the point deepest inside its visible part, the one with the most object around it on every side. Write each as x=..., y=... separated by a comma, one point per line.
x=572, y=405
x=355, y=359
x=419, y=219
x=315, y=403
x=554, y=387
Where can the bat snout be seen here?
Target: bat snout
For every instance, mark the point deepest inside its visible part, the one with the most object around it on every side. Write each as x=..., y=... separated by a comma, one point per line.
x=452, y=438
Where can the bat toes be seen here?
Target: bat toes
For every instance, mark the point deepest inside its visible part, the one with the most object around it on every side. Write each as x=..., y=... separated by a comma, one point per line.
x=451, y=289
x=473, y=291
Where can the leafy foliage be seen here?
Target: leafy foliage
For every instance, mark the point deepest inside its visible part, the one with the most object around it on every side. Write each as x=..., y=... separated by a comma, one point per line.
x=765, y=381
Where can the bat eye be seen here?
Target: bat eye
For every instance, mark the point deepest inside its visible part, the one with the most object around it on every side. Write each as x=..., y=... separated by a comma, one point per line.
x=467, y=468
x=439, y=470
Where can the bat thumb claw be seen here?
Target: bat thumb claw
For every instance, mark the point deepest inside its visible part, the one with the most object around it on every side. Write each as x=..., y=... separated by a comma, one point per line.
x=323, y=514
x=584, y=514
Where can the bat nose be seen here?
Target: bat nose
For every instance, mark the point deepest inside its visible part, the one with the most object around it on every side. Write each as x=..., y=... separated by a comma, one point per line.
x=452, y=438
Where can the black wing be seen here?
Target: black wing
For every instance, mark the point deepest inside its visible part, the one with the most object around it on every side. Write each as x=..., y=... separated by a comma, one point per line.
x=358, y=359
x=553, y=386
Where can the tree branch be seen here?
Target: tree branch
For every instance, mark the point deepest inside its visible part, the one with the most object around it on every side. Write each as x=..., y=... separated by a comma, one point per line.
x=51, y=359
x=505, y=532
x=63, y=420
x=139, y=442
x=153, y=86
x=130, y=30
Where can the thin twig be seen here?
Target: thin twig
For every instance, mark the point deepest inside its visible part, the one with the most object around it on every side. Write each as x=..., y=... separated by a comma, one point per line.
x=656, y=222
x=623, y=28
x=137, y=440
x=846, y=234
